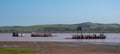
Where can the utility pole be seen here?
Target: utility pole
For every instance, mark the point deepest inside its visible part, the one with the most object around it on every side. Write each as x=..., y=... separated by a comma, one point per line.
x=79, y=28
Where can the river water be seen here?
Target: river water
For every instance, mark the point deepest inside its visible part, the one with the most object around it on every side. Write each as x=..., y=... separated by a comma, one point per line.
x=62, y=37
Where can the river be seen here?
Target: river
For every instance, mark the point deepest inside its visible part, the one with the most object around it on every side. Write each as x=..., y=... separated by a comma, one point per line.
x=61, y=37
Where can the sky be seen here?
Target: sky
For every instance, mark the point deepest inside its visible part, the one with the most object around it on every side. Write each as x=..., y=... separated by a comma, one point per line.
x=37, y=12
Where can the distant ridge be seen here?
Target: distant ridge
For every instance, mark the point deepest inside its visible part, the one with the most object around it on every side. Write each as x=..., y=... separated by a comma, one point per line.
x=87, y=27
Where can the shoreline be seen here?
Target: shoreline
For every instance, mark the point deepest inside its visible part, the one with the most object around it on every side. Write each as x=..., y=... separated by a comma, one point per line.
x=63, y=48
x=63, y=33
x=94, y=43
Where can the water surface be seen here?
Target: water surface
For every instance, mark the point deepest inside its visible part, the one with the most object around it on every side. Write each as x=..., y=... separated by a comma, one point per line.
x=61, y=37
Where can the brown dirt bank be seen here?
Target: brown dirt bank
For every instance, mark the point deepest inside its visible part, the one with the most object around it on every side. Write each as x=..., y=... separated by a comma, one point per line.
x=63, y=48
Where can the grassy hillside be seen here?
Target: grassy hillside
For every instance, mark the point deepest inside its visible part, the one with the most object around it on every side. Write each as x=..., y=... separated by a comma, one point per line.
x=16, y=51
x=87, y=27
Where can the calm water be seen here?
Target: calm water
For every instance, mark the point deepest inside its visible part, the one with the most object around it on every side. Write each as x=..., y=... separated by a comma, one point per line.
x=61, y=37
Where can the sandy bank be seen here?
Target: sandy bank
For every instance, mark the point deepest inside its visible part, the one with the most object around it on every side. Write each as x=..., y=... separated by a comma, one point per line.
x=64, y=48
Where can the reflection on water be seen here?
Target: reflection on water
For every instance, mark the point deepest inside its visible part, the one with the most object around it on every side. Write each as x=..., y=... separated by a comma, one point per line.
x=61, y=37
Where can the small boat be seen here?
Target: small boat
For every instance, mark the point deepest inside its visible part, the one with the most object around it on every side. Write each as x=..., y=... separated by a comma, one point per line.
x=17, y=34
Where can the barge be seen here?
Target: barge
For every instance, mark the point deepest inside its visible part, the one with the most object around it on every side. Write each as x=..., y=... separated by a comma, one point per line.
x=34, y=34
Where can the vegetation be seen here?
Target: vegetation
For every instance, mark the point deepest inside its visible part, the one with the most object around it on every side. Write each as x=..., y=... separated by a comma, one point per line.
x=87, y=27
x=16, y=51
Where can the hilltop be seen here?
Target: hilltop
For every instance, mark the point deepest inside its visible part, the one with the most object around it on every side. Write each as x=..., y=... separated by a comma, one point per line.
x=87, y=27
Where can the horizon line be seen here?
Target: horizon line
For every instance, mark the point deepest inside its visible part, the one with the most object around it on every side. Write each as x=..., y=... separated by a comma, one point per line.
x=59, y=24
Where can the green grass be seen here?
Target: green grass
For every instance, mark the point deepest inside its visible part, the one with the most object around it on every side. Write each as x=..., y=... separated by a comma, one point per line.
x=16, y=51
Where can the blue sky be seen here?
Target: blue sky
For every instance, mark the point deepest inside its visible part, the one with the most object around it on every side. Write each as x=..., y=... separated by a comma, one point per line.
x=35, y=12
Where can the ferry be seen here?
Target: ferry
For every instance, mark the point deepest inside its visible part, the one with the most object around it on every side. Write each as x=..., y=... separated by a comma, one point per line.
x=94, y=36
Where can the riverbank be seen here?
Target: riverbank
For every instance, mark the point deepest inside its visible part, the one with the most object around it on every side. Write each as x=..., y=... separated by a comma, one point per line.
x=16, y=51
x=63, y=48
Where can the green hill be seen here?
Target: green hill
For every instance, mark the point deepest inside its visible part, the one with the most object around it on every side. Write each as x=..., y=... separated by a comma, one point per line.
x=87, y=27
